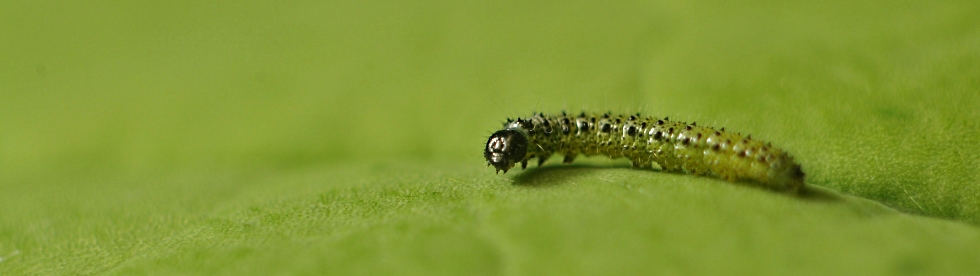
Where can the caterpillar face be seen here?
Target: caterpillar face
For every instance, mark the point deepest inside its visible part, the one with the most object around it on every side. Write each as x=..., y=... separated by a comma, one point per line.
x=505, y=148
x=674, y=146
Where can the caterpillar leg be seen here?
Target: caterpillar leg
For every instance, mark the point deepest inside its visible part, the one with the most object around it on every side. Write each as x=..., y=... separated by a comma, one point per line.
x=727, y=176
x=663, y=165
x=542, y=159
x=639, y=163
x=568, y=158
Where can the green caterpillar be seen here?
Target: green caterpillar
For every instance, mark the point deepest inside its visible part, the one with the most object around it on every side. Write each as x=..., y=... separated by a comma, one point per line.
x=674, y=146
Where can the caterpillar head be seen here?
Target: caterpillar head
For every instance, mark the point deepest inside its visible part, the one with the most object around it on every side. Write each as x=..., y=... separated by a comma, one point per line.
x=505, y=148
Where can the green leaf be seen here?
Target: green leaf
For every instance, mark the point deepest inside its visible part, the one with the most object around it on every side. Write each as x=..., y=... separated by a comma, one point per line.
x=189, y=137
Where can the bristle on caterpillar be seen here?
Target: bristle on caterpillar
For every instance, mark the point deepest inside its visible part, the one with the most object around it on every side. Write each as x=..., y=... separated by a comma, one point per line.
x=674, y=146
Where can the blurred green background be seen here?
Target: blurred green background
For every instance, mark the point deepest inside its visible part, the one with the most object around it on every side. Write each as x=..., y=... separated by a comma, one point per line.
x=236, y=137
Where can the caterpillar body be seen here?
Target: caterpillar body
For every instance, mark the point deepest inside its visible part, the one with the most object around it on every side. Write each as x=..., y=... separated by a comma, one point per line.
x=674, y=146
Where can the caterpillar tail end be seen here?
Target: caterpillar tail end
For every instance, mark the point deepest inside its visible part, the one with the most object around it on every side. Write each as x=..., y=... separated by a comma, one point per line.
x=792, y=180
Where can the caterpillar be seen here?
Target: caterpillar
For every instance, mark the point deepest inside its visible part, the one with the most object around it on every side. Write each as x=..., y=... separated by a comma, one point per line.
x=674, y=146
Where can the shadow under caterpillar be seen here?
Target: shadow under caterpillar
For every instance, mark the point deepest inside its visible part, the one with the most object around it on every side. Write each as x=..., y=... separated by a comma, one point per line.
x=674, y=146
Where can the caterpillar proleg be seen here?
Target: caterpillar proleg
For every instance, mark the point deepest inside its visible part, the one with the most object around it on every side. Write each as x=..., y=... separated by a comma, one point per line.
x=674, y=146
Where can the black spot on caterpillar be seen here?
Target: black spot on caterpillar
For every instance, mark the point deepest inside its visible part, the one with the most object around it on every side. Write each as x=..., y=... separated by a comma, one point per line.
x=674, y=146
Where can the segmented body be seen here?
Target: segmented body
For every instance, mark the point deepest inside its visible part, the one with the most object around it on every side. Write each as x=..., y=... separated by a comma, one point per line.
x=674, y=146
